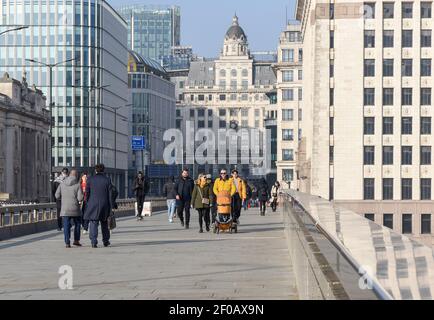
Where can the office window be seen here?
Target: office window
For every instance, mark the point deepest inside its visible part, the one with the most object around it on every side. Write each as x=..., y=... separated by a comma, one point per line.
x=407, y=10
x=388, y=10
x=369, y=125
x=425, y=223
x=300, y=94
x=201, y=124
x=425, y=8
x=407, y=125
x=369, y=10
x=288, y=175
x=331, y=189
x=210, y=113
x=288, y=55
x=406, y=189
x=369, y=68
x=222, y=97
x=388, y=125
x=191, y=113
x=288, y=76
x=332, y=125
x=425, y=155
x=370, y=216
x=222, y=112
x=288, y=115
x=369, y=96
x=407, y=227
x=332, y=68
x=369, y=38
x=425, y=189
x=332, y=96
x=425, y=40
x=407, y=67
x=387, y=189
x=300, y=74
x=332, y=39
x=288, y=134
x=388, y=220
x=388, y=68
x=407, y=96
x=201, y=113
x=331, y=154
x=288, y=155
x=425, y=67
x=201, y=97
x=425, y=96
x=407, y=38
x=369, y=155
x=388, y=96
x=222, y=124
x=425, y=125
x=387, y=155
x=288, y=95
x=245, y=84
x=388, y=36
x=407, y=155
x=368, y=188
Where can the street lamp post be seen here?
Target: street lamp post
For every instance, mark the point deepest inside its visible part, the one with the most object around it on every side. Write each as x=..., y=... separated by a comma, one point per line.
x=50, y=67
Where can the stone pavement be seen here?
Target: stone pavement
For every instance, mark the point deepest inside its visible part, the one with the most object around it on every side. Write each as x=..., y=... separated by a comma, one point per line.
x=153, y=259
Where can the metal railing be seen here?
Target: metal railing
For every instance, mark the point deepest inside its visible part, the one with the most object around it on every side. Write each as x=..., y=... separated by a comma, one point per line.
x=31, y=213
x=337, y=254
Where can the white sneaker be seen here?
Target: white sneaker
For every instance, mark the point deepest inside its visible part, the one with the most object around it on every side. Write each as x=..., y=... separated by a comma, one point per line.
x=85, y=232
x=170, y=220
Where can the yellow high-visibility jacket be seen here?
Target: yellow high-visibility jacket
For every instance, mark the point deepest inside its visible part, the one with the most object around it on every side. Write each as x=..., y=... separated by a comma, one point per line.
x=242, y=189
x=224, y=185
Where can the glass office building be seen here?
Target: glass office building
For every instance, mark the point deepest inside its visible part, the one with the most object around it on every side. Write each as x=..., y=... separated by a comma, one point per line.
x=85, y=130
x=153, y=30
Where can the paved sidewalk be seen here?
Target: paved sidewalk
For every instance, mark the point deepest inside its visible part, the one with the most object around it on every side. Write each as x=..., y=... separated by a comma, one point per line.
x=153, y=259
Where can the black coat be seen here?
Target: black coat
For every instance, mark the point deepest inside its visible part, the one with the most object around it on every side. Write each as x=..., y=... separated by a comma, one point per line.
x=263, y=192
x=169, y=190
x=98, y=198
x=141, y=187
x=184, y=188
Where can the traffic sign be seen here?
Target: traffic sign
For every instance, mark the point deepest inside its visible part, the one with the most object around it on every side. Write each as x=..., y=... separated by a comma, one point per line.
x=138, y=143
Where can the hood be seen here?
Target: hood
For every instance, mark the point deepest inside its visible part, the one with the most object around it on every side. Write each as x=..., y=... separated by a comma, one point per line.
x=70, y=181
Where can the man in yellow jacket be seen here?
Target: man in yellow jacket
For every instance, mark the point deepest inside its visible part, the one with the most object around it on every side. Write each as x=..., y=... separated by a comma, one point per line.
x=223, y=183
x=239, y=196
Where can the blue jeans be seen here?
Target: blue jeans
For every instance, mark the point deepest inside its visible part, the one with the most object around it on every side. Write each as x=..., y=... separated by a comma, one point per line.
x=67, y=223
x=93, y=232
x=171, y=207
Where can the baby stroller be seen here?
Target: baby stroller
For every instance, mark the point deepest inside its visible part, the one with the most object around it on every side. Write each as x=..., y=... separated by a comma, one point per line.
x=224, y=221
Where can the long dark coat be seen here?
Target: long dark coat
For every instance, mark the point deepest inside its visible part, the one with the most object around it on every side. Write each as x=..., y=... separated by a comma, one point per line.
x=263, y=191
x=98, y=198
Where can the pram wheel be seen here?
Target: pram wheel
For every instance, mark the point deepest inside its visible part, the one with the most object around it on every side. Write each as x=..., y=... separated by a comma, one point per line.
x=235, y=228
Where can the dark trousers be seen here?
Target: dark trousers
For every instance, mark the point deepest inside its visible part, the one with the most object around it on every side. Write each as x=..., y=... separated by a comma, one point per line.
x=93, y=232
x=184, y=205
x=84, y=223
x=140, y=200
x=236, y=206
x=59, y=218
x=263, y=206
x=204, y=215
x=67, y=224
x=213, y=213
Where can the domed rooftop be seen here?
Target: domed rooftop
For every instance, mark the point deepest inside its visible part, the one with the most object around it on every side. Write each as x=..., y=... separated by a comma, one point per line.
x=235, y=31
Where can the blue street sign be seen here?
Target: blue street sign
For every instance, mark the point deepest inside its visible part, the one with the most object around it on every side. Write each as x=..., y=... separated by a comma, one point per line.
x=138, y=143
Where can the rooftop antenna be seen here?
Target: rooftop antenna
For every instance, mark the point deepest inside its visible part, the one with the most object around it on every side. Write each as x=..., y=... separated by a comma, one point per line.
x=286, y=17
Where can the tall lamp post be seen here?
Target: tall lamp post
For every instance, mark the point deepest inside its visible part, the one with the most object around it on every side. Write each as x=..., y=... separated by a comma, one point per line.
x=50, y=67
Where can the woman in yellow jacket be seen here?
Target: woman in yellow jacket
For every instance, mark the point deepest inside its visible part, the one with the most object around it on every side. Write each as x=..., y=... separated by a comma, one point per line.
x=224, y=189
x=239, y=196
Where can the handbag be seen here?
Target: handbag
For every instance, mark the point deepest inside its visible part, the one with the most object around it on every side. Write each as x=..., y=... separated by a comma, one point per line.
x=204, y=200
x=112, y=222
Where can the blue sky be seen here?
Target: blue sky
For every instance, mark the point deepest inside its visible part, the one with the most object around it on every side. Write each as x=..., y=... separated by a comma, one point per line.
x=205, y=22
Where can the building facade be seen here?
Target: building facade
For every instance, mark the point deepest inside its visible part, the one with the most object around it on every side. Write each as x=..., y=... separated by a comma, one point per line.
x=368, y=108
x=153, y=30
x=24, y=142
x=234, y=89
x=289, y=75
x=85, y=90
x=152, y=96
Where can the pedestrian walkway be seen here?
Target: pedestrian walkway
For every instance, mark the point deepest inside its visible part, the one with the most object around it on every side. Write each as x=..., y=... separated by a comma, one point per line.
x=153, y=259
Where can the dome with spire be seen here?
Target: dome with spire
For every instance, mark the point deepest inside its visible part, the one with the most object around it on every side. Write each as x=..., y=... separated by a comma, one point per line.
x=235, y=31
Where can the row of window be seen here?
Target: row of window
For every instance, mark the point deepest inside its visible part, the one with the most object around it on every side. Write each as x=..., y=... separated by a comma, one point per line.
x=288, y=94
x=222, y=124
x=388, y=96
x=406, y=155
x=224, y=97
x=406, y=223
x=406, y=189
x=406, y=40
x=407, y=9
x=288, y=55
x=288, y=75
x=406, y=125
x=406, y=67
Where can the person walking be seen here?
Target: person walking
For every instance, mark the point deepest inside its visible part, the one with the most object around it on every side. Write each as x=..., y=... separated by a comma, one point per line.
x=71, y=194
x=223, y=189
x=184, y=189
x=59, y=179
x=83, y=182
x=141, y=188
x=99, y=205
x=239, y=197
x=170, y=194
x=274, y=195
x=249, y=196
x=201, y=200
x=213, y=204
x=263, y=196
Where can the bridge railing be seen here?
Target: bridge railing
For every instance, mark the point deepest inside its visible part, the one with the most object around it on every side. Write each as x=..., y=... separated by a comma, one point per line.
x=337, y=254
